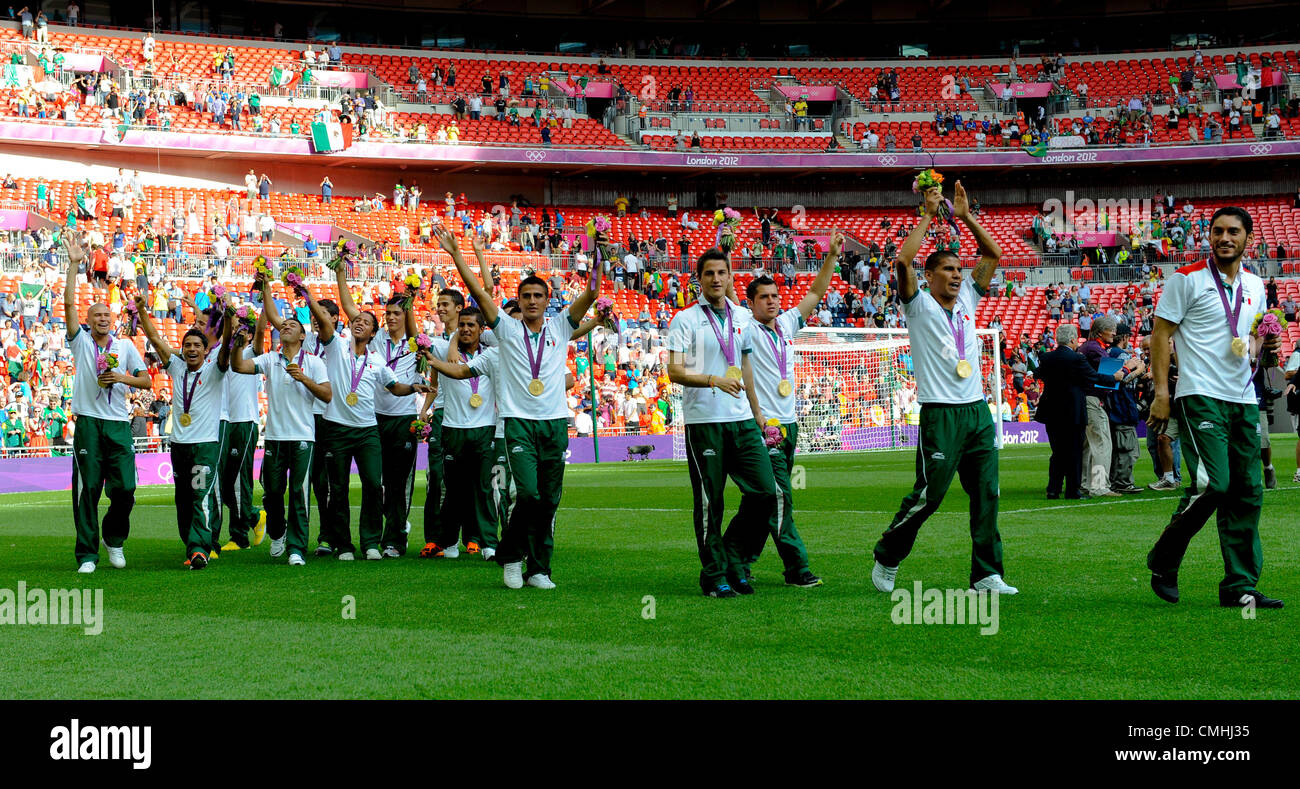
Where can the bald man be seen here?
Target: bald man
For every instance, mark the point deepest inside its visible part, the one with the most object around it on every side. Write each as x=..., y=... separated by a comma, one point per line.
x=103, y=454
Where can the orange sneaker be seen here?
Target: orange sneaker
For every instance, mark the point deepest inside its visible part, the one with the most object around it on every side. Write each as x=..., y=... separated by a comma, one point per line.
x=471, y=547
x=431, y=551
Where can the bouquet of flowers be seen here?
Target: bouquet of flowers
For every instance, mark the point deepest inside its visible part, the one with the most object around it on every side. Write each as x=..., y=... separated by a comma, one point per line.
x=412, y=282
x=293, y=279
x=344, y=252
x=605, y=313
x=245, y=320
x=421, y=429
x=1269, y=324
x=419, y=345
x=726, y=220
x=598, y=228
x=261, y=275
x=929, y=179
x=105, y=362
x=773, y=433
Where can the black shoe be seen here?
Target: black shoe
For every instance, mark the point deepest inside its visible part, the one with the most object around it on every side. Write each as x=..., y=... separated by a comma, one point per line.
x=1239, y=600
x=743, y=586
x=1074, y=497
x=1128, y=489
x=1165, y=585
x=1270, y=478
x=1053, y=495
x=721, y=590
x=805, y=579
x=323, y=549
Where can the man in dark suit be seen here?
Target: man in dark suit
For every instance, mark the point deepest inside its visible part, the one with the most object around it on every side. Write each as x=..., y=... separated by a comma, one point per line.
x=1067, y=378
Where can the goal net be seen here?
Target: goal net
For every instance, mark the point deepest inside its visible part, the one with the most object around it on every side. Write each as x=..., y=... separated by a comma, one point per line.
x=855, y=390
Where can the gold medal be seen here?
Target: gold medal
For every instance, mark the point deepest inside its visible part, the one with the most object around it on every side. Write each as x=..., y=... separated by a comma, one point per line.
x=784, y=388
x=536, y=387
x=1238, y=346
x=476, y=399
x=964, y=369
x=734, y=372
x=185, y=420
x=351, y=399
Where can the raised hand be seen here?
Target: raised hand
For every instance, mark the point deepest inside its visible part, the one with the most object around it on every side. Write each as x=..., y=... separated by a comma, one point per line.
x=960, y=203
x=77, y=245
x=447, y=241
x=477, y=241
x=933, y=201
x=837, y=243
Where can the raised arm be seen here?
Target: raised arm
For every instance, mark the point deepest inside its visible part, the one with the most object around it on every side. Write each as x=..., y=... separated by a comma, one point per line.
x=481, y=296
x=268, y=307
x=990, y=252
x=484, y=269
x=912, y=244
x=411, y=328
x=259, y=331
x=585, y=299
x=322, y=318
x=346, y=303
x=238, y=362
x=155, y=339
x=822, y=282
x=223, y=355
x=75, y=245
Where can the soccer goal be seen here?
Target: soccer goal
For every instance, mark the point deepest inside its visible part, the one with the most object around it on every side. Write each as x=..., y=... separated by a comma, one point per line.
x=855, y=391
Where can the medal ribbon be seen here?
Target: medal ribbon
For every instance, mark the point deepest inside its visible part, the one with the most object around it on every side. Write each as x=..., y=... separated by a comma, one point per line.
x=782, y=355
x=389, y=359
x=1234, y=314
x=728, y=347
x=535, y=365
x=357, y=372
x=958, y=334
x=187, y=391
x=473, y=382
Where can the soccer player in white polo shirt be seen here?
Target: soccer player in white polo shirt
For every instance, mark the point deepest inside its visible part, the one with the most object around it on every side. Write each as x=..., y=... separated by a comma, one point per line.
x=956, y=435
x=1217, y=412
x=709, y=355
x=393, y=414
x=103, y=454
x=239, y=412
x=771, y=336
x=295, y=381
x=195, y=445
x=468, y=424
x=352, y=433
x=530, y=389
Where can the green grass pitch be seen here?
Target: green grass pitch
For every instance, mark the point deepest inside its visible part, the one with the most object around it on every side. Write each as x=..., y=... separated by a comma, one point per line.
x=1085, y=624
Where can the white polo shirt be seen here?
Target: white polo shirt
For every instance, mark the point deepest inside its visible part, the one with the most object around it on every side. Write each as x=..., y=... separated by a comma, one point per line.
x=239, y=398
x=205, y=404
x=486, y=339
x=690, y=334
x=934, y=350
x=552, y=342
x=88, y=397
x=458, y=412
x=1206, y=364
x=311, y=342
x=342, y=363
x=289, y=403
x=765, y=361
x=397, y=357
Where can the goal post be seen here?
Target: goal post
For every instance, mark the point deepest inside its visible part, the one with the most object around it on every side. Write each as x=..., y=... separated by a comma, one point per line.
x=855, y=390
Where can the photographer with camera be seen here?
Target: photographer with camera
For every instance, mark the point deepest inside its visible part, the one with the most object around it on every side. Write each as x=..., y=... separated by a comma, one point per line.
x=1165, y=448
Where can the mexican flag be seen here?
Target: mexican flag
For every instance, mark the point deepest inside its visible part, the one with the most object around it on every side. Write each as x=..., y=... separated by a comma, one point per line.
x=327, y=137
x=282, y=77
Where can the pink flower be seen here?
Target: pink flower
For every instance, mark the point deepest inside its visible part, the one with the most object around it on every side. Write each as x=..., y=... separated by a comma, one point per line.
x=242, y=312
x=424, y=341
x=731, y=214
x=219, y=292
x=604, y=304
x=601, y=224
x=772, y=436
x=1269, y=325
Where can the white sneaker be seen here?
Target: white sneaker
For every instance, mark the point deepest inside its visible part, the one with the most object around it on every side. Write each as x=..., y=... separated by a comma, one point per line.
x=295, y=560
x=883, y=577
x=346, y=556
x=392, y=553
x=540, y=581
x=490, y=553
x=116, y=557
x=450, y=552
x=86, y=567
x=994, y=583
x=277, y=547
x=1296, y=478
x=514, y=575
x=373, y=555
